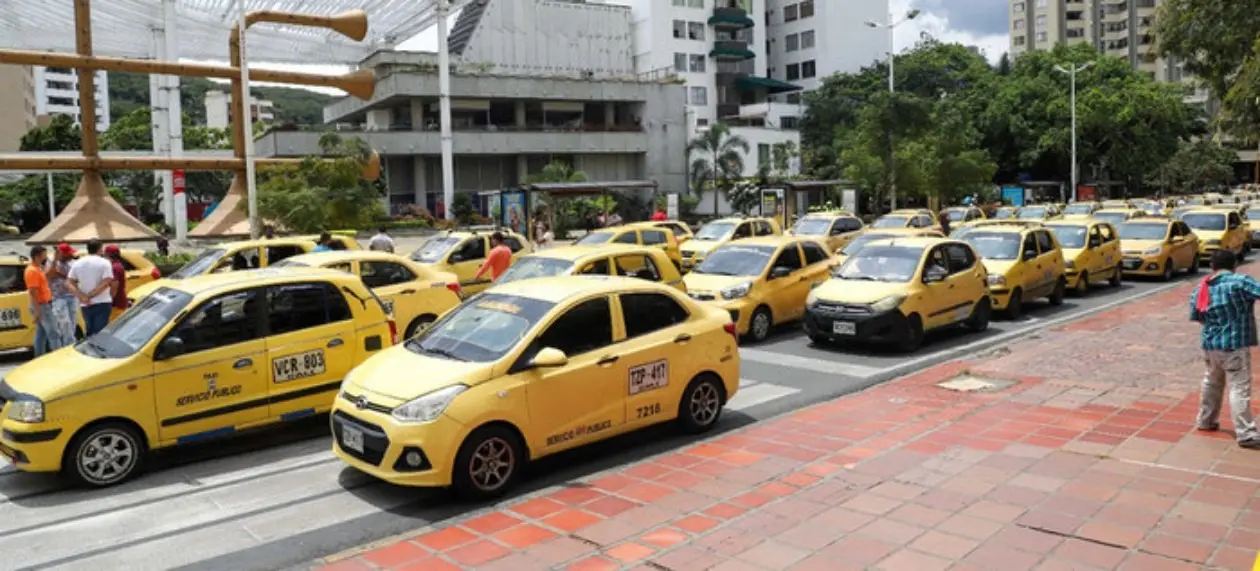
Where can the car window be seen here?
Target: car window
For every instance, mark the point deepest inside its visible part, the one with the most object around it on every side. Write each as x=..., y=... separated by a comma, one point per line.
x=513, y=244
x=922, y=221
x=637, y=266
x=1108, y=233
x=763, y=228
x=380, y=274
x=342, y=267
x=12, y=279
x=789, y=258
x=338, y=307
x=339, y=243
x=221, y=321
x=744, y=231
x=938, y=258
x=582, y=329
x=127, y=265
x=278, y=253
x=1030, y=245
x=472, y=249
x=1234, y=221
x=653, y=237
x=246, y=259
x=960, y=258
x=597, y=268
x=649, y=312
x=627, y=238
x=294, y=307
x=813, y=253
x=1044, y=242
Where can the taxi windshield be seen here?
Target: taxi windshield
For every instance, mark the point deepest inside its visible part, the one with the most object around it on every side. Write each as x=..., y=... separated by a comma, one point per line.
x=891, y=222
x=136, y=327
x=1070, y=236
x=1079, y=209
x=1205, y=221
x=813, y=226
x=199, y=265
x=1253, y=214
x=882, y=263
x=861, y=241
x=595, y=238
x=1031, y=213
x=434, y=249
x=1142, y=231
x=714, y=231
x=956, y=215
x=736, y=261
x=1004, y=214
x=481, y=330
x=994, y=245
x=1112, y=217
x=289, y=263
x=531, y=267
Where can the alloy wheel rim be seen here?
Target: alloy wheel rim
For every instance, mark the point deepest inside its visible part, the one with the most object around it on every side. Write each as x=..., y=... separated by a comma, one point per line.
x=491, y=464
x=107, y=457
x=705, y=404
x=761, y=325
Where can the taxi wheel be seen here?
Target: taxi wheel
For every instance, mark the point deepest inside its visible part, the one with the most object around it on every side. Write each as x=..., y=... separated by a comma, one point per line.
x=701, y=404
x=759, y=324
x=488, y=463
x=913, y=334
x=1169, y=268
x=104, y=454
x=1082, y=284
x=419, y=324
x=1194, y=267
x=1060, y=291
x=1116, y=277
x=1015, y=307
x=980, y=316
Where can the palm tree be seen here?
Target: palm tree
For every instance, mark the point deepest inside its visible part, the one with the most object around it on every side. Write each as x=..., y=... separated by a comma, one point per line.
x=720, y=158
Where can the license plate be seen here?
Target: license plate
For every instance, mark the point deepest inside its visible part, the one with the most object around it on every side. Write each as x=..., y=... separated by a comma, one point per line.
x=10, y=318
x=844, y=328
x=299, y=366
x=652, y=376
x=352, y=438
x=1132, y=264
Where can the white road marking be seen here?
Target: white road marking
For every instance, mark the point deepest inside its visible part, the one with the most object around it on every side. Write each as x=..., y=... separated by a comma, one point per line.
x=758, y=393
x=808, y=363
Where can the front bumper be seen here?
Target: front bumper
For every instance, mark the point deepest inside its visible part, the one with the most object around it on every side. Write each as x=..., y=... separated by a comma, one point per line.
x=821, y=319
x=1141, y=266
x=387, y=442
x=33, y=448
x=740, y=309
x=1072, y=277
x=999, y=297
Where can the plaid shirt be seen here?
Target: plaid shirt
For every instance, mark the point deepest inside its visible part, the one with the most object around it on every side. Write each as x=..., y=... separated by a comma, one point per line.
x=1229, y=322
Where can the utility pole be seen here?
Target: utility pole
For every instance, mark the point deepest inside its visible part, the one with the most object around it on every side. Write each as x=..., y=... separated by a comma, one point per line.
x=1075, y=69
x=891, y=25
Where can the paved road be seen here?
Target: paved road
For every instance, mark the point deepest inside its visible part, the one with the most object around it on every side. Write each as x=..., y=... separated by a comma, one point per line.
x=282, y=500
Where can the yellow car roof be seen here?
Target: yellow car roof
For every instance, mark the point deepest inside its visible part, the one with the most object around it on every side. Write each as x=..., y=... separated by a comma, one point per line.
x=909, y=211
x=653, y=224
x=559, y=288
x=583, y=251
x=913, y=241
x=1152, y=220
x=210, y=283
x=335, y=256
x=907, y=232
x=775, y=240
x=1125, y=210
x=742, y=219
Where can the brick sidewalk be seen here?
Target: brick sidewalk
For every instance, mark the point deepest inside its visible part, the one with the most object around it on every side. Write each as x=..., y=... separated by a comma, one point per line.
x=1077, y=452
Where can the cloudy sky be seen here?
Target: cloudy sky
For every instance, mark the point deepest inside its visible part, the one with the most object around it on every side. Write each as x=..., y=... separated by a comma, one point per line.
x=981, y=23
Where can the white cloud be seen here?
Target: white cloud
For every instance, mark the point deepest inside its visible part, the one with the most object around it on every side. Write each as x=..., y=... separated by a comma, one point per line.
x=939, y=27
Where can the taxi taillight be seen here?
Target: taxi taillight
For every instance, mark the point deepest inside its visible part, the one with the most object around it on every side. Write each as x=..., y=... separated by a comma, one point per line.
x=393, y=332
x=156, y=273
x=454, y=286
x=730, y=328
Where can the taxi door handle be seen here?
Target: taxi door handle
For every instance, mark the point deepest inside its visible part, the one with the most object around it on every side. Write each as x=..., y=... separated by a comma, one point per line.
x=408, y=291
x=336, y=343
x=243, y=363
x=608, y=360
x=682, y=338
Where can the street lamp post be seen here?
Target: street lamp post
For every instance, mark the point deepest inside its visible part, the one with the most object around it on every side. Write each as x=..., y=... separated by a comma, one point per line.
x=1075, y=69
x=891, y=25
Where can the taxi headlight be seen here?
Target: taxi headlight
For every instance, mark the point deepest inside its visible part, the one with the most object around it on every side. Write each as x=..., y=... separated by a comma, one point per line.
x=996, y=280
x=428, y=407
x=737, y=291
x=889, y=303
x=27, y=410
x=1152, y=251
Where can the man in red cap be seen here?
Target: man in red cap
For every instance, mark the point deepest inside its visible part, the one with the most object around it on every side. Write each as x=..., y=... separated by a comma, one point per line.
x=65, y=305
x=119, y=288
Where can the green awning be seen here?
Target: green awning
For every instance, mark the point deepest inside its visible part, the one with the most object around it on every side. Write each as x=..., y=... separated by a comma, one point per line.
x=731, y=19
x=740, y=53
x=773, y=86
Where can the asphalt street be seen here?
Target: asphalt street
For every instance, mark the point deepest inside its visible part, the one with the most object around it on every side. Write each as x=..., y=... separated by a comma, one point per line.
x=281, y=500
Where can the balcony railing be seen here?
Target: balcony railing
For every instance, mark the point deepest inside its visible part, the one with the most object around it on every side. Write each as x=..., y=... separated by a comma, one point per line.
x=402, y=127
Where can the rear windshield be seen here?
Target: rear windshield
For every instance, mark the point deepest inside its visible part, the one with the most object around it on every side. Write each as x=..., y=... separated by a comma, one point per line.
x=434, y=250
x=1079, y=209
x=1205, y=221
x=596, y=238
x=994, y=245
x=137, y=326
x=736, y=260
x=199, y=265
x=481, y=330
x=891, y=222
x=1139, y=231
x=531, y=267
x=1070, y=236
x=1032, y=213
x=813, y=226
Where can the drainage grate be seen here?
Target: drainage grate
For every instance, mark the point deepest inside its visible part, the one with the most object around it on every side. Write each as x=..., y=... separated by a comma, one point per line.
x=974, y=384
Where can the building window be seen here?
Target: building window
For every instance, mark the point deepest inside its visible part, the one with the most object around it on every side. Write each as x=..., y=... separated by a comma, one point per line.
x=1042, y=3
x=1076, y=32
x=790, y=13
x=695, y=30
x=1019, y=25
x=793, y=98
x=807, y=9
x=1041, y=37
x=702, y=122
x=1041, y=21
x=793, y=71
x=697, y=63
x=808, y=69
x=792, y=42
x=699, y=96
x=807, y=40
x=1019, y=40
x=696, y=3
x=763, y=154
x=1017, y=7
x=789, y=122
x=680, y=62
x=680, y=29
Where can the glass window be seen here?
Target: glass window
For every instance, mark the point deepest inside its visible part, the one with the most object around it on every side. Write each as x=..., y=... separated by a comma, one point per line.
x=807, y=39
x=434, y=249
x=653, y=237
x=736, y=260
x=637, y=266
x=922, y=221
x=481, y=330
x=813, y=253
x=680, y=62
x=380, y=274
x=597, y=268
x=646, y=313
x=1041, y=20
x=1069, y=236
x=338, y=307
x=246, y=259
x=763, y=228
x=127, y=265
x=595, y=238
x=1019, y=24
x=222, y=321
x=680, y=29
x=531, y=267
x=1204, y=221
x=513, y=244
x=678, y=231
x=793, y=71
x=699, y=96
x=695, y=3
x=278, y=253
x=695, y=30
x=792, y=42
x=763, y=154
x=1042, y=37
x=789, y=258
x=960, y=257
x=1108, y=233
x=584, y=328
x=627, y=238
x=882, y=263
x=472, y=249
x=134, y=328
x=807, y=9
x=680, y=3
x=1018, y=8
x=296, y=307
x=790, y=13
x=696, y=63
x=743, y=231
x=12, y=279
x=994, y=245
x=808, y=69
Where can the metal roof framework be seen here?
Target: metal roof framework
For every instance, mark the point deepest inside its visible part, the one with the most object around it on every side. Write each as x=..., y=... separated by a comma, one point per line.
x=122, y=28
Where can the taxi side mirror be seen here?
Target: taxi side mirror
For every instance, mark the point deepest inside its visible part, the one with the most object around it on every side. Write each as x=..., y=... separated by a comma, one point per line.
x=170, y=348
x=935, y=274
x=780, y=272
x=549, y=358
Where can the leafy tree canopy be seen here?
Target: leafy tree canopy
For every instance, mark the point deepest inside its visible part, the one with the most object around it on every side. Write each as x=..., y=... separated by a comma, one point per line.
x=322, y=194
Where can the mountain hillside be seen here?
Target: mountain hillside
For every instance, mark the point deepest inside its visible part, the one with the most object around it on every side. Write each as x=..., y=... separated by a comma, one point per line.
x=128, y=91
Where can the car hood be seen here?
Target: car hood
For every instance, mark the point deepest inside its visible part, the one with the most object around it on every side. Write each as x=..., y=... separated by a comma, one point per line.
x=851, y=291
x=1000, y=267
x=1210, y=234
x=700, y=246
x=383, y=377
x=1140, y=245
x=140, y=292
x=710, y=283
x=1070, y=254
x=63, y=372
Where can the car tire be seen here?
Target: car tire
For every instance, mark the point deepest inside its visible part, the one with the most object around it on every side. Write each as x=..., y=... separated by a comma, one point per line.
x=419, y=324
x=1194, y=266
x=1082, y=285
x=980, y=316
x=820, y=340
x=759, y=324
x=104, y=454
x=1015, y=308
x=1117, y=277
x=701, y=405
x=1169, y=270
x=488, y=463
x=1059, y=292
x=913, y=335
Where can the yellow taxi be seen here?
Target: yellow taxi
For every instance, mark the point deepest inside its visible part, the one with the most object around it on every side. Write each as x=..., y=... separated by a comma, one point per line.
x=643, y=262
x=872, y=235
x=1081, y=209
x=1180, y=211
x=201, y=358
x=834, y=229
x=959, y=215
x=1117, y=216
x=722, y=231
x=639, y=234
x=1253, y=223
x=682, y=232
x=414, y=295
x=17, y=324
x=895, y=290
x=1024, y=262
x=761, y=282
x=531, y=368
x=908, y=218
x=1091, y=252
x=1158, y=207
x=1218, y=230
x=1039, y=212
x=241, y=255
x=1158, y=247
x=463, y=252
x=1005, y=213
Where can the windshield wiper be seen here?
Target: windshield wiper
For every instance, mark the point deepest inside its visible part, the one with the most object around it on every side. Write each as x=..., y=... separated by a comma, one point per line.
x=861, y=278
x=442, y=353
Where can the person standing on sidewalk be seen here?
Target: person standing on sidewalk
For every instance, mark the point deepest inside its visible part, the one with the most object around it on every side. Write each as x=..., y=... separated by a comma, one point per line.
x=1224, y=303
x=41, y=301
x=118, y=290
x=65, y=305
x=91, y=278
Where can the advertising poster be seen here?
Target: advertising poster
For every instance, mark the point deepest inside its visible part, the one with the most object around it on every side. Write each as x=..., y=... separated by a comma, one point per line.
x=671, y=206
x=1013, y=195
x=1086, y=193
x=848, y=200
x=513, y=211
x=772, y=204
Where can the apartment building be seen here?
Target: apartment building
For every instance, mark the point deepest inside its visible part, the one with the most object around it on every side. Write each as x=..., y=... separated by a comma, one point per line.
x=809, y=40
x=57, y=93
x=219, y=110
x=17, y=98
x=1119, y=28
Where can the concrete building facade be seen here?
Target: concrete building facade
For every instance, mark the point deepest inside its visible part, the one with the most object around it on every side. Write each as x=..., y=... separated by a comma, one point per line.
x=57, y=93
x=1119, y=28
x=219, y=110
x=17, y=98
x=809, y=40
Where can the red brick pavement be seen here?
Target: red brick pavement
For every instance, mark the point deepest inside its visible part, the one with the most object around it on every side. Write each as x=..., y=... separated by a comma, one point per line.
x=1083, y=457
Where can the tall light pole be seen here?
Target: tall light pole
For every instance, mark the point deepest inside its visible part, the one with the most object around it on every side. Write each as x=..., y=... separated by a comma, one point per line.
x=891, y=25
x=1075, y=69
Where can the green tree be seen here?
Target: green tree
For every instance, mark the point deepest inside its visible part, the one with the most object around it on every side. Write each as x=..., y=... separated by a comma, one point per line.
x=718, y=158
x=1197, y=166
x=782, y=155
x=322, y=193
x=1212, y=39
x=556, y=171
x=949, y=158
x=61, y=134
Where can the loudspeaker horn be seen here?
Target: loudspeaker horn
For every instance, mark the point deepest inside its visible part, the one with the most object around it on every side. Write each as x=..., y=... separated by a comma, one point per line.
x=352, y=24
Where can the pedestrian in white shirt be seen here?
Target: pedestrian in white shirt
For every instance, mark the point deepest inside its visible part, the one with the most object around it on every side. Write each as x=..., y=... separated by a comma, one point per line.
x=381, y=242
x=91, y=279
